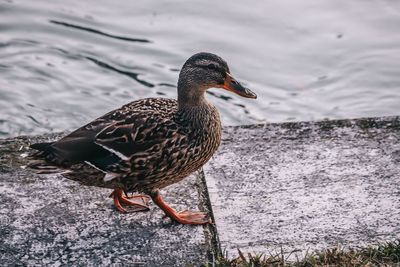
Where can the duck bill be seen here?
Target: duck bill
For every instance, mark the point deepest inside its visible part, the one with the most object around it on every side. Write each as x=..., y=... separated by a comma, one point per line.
x=234, y=86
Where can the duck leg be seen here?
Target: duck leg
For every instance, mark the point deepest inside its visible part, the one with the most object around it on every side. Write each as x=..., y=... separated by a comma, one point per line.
x=136, y=202
x=183, y=217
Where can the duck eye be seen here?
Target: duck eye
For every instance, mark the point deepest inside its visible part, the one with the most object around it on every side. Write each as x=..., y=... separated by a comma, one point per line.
x=216, y=68
x=212, y=66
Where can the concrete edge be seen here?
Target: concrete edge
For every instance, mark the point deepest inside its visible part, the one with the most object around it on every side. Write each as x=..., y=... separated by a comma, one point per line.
x=210, y=230
x=363, y=123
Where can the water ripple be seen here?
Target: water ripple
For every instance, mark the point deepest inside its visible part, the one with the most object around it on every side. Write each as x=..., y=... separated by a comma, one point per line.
x=64, y=65
x=87, y=29
x=132, y=75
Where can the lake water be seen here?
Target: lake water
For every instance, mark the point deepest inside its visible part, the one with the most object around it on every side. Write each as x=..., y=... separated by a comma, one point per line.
x=64, y=63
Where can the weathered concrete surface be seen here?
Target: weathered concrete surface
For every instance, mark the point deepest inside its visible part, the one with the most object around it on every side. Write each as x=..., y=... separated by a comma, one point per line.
x=296, y=186
x=307, y=185
x=47, y=220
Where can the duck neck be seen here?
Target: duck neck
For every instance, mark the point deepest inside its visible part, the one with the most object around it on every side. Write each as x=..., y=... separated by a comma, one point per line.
x=190, y=97
x=194, y=109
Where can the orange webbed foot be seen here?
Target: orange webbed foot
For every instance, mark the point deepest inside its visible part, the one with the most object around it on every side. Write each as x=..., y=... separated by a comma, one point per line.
x=183, y=217
x=135, y=202
x=193, y=217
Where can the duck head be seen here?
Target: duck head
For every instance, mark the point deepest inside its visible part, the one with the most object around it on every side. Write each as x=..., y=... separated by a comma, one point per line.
x=203, y=71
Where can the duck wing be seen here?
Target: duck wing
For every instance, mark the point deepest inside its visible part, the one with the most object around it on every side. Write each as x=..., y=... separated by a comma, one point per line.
x=139, y=136
x=110, y=141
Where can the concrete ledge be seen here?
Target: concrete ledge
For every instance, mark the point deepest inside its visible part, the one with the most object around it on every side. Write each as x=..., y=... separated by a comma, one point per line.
x=49, y=220
x=298, y=186
x=307, y=185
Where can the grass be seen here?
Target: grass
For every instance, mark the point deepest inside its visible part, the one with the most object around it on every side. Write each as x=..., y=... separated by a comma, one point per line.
x=385, y=254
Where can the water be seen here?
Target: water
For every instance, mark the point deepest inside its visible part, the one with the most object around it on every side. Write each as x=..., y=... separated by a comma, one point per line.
x=63, y=63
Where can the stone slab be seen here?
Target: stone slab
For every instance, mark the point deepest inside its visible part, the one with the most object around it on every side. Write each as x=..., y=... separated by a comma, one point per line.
x=47, y=220
x=307, y=186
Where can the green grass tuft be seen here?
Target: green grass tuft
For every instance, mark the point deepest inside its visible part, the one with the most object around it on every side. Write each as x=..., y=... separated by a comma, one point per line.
x=385, y=254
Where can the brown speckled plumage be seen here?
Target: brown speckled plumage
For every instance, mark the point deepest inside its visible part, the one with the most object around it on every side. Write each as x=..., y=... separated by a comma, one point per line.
x=151, y=143
x=167, y=145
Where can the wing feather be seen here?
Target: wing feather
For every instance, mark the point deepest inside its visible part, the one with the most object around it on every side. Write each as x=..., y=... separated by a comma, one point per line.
x=122, y=137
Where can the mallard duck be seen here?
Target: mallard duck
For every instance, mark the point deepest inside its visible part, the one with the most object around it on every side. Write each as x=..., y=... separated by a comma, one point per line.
x=151, y=143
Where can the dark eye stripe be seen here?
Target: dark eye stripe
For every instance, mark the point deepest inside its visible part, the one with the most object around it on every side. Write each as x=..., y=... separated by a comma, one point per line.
x=212, y=66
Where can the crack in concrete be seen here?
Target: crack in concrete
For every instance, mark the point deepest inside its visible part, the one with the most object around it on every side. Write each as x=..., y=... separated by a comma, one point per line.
x=210, y=230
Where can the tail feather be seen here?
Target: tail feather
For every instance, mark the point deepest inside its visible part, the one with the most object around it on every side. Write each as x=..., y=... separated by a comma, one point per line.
x=42, y=161
x=41, y=166
x=48, y=153
x=42, y=146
